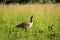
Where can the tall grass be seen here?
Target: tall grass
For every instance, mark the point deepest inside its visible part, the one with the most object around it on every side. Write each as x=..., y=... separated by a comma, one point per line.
x=44, y=15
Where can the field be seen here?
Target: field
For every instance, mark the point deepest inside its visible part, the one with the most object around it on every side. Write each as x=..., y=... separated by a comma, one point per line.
x=44, y=15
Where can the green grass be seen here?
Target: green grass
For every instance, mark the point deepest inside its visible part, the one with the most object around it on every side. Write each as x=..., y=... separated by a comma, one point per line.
x=44, y=15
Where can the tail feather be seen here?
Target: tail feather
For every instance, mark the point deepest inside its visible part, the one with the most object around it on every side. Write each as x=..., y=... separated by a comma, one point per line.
x=18, y=25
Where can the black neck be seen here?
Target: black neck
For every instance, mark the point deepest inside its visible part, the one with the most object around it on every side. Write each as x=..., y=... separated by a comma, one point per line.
x=31, y=18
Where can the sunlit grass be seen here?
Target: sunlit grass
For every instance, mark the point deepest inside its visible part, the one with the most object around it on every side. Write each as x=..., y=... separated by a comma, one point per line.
x=44, y=15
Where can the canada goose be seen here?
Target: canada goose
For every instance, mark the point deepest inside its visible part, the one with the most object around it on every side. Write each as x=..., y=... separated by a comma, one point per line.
x=51, y=27
x=26, y=25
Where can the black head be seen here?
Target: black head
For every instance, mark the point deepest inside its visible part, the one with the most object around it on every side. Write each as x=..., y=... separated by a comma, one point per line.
x=52, y=25
x=32, y=16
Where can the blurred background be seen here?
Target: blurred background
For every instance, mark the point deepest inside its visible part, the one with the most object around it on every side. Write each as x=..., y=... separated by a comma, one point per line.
x=46, y=21
x=29, y=1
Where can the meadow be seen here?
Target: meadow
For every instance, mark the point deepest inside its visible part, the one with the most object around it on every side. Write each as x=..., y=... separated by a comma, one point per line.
x=44, y=15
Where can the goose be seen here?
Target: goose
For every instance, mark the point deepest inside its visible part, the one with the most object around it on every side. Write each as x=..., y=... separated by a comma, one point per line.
x=27, y=25
x=51, y=27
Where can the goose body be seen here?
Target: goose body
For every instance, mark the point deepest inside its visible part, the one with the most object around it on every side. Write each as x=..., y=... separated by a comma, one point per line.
x=26, y=25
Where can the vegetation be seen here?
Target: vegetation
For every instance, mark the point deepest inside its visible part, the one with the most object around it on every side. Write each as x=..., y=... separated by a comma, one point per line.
x=29, y=1
x=44, y=15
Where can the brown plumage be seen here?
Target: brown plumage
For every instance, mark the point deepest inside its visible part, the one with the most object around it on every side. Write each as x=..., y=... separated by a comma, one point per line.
x=26, y=25
x=51, y=27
